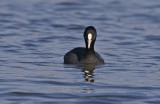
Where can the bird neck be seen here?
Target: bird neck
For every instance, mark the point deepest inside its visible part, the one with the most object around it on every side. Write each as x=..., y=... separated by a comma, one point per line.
x=91, y=49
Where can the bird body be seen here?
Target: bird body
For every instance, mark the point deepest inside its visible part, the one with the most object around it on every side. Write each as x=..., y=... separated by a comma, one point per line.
x=86, y=55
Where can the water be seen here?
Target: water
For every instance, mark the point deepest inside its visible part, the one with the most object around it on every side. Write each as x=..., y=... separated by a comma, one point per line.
x=35, y=35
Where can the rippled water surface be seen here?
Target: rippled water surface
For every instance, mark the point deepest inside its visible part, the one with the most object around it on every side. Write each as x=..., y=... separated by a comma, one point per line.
x=35, y=35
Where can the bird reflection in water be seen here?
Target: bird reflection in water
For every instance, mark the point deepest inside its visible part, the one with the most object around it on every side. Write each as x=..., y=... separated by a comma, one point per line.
x=88, y=70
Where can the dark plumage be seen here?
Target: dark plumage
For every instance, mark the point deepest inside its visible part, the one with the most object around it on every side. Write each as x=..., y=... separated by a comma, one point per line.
x=86, y=55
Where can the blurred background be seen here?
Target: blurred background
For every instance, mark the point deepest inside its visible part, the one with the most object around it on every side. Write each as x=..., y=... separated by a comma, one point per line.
x=35, y=35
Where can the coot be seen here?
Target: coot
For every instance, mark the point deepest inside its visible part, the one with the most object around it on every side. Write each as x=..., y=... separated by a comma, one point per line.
x=86, y=55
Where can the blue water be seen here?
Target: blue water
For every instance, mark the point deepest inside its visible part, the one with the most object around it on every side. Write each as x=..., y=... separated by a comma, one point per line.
x=35, y=35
